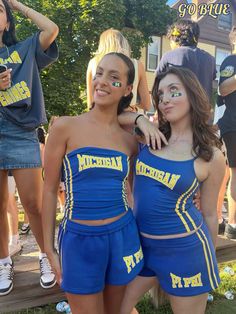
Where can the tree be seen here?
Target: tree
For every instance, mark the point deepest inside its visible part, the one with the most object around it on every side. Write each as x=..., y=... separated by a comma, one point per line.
x=81, y=22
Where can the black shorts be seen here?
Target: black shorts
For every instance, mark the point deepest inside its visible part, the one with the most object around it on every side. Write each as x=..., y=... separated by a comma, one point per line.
x=230, y=143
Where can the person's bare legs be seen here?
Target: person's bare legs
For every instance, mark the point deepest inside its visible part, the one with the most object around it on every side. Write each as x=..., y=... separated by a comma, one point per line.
x=4, y=230
x=221, y=196
x=231, y=194
x=26, y=218
x=113, y=296
x=12, y=212
x=134, y=291
x=29, y=185
x=187, y=305
x=86, y=304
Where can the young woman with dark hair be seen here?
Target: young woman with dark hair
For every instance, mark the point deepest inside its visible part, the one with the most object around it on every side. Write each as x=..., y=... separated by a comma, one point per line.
x=178, y=240
x=98, y=239
x=112, y=40
x=21, y=112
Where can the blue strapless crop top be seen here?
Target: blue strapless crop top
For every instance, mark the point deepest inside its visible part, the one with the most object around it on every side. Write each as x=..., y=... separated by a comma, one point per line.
x=95, y=181
x=163, y=195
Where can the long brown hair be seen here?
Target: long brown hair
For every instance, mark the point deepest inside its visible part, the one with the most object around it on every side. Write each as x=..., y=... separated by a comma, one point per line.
x=204, y=134
x=9, y=36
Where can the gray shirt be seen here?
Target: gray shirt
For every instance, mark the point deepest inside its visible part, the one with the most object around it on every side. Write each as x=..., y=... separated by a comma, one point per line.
x=23, y=102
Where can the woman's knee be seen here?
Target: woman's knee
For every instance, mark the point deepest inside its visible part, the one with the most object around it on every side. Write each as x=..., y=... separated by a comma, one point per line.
x=32, y=206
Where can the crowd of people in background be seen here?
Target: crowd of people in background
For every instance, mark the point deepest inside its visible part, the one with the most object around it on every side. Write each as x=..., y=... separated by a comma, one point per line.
x=127, y=197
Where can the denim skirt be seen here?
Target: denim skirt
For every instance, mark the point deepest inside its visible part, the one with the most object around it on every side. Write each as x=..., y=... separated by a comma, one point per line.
x=19, y=148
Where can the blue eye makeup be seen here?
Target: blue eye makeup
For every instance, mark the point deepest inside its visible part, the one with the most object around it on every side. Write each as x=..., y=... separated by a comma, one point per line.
x=116, y=84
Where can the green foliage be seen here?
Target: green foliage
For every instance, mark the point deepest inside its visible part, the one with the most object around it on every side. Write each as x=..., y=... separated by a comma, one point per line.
x=145, y=18
x=81, y=22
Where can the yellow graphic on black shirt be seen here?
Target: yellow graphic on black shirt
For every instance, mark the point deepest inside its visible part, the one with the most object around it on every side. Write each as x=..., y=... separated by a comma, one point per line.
x=18, y=91
x=14, y=94
x=13, y=58
x=166, y=178
x=89, y=161
x=228, y=71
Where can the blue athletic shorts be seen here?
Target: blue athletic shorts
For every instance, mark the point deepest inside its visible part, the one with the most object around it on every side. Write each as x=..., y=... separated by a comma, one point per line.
x=184, y=266
x=93, y=256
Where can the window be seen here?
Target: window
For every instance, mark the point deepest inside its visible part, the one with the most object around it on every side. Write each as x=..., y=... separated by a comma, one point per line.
x=220, y=56
x=225, y=21
x=153, y=53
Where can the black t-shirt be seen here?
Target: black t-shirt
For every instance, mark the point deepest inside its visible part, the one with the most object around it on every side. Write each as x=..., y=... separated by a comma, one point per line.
x=200, y=62
x=228, y=122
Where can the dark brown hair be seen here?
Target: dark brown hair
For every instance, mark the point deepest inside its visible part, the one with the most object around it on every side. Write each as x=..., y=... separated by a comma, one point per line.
x=9, y=36
x=204, y=134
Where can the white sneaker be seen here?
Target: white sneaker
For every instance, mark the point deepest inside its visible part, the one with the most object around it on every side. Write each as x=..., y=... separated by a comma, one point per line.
x=6, y=278
x=25, y=229
x=14, y=248
x=47, y=276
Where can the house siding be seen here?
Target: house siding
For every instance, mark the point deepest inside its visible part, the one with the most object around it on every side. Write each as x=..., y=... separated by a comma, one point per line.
x=211, y=36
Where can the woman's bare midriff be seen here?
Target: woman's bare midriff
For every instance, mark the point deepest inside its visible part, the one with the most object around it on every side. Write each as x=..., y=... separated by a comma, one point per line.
x=170, y=236
x=99, y=222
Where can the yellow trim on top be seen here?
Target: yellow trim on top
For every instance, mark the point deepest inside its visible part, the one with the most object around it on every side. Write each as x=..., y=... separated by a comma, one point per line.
x=67, y=195
x=71, y=202
x=178, y=205
x=124, y=194
x=186, y=213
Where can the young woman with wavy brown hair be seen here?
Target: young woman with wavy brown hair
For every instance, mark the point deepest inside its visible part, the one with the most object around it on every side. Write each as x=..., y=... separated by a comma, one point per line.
x=178, y=240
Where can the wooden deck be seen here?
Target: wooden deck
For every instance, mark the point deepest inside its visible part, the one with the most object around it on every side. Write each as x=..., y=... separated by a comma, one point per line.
x=27, y=292
x=225, y=249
